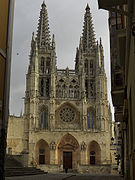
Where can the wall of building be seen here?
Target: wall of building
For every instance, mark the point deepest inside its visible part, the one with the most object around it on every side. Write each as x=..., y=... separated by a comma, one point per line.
x=131, y=102
x=3, y=42
x=15, y=135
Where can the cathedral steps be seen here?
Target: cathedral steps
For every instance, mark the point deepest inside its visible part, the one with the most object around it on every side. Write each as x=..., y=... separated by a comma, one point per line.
x=22, y=171
x=14, y=167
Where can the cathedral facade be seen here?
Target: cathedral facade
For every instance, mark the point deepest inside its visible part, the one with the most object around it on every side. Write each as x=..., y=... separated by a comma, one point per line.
x=67, y=119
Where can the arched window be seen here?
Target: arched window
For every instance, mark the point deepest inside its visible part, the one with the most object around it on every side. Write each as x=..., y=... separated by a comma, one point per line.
x=47, y=87
x=86, y=67
x=47, y=67
x=86, y=87
x=71, y=92
x=92, y=88
x=42, y=66
x=91, y=118
x=91, y=67
x=44, y=119
x=42, y=87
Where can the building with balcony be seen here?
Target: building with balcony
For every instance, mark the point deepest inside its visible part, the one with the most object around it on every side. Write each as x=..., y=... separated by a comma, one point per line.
x=122, y=50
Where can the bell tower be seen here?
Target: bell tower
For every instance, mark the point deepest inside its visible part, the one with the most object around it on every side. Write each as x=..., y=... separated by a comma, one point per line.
x=40, y=78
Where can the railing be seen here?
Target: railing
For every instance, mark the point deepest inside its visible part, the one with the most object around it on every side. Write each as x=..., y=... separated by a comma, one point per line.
x=66, y=72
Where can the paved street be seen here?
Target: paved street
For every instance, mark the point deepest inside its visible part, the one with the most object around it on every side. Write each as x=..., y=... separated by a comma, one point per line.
x=63, y=176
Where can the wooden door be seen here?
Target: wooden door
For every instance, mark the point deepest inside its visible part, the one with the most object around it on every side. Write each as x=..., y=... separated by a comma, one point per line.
x=92, y=159
x=67, y=160
x=41, y=159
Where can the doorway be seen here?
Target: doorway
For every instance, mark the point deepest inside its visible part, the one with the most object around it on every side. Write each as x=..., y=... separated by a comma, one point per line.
x=41, y=156
x=67, y=160
x=92, y=159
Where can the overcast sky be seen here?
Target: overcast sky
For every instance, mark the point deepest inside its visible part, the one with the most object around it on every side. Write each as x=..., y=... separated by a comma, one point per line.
x=66, y=19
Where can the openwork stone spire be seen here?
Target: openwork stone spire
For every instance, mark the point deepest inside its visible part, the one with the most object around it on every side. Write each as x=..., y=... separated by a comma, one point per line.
x=88, y=37
x=43, y=33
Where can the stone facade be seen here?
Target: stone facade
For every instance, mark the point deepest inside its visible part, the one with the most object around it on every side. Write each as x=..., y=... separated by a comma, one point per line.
x=67, y=119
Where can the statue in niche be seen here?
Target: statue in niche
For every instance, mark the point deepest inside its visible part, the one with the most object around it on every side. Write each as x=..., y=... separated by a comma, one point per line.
x=52, y=145
x=83, y=146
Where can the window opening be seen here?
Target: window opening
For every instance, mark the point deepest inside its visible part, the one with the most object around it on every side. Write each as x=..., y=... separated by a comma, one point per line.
x=47, y=87
x=43, y=120
x=42, y=87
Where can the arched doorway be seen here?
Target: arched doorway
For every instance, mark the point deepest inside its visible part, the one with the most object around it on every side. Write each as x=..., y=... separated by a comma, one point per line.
x=68, y=152
x=42, y=152
x=94, y=153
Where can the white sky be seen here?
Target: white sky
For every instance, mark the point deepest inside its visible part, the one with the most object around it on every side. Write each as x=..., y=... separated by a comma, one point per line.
x=66, y=19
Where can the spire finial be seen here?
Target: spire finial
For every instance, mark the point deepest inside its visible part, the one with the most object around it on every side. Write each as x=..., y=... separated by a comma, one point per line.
x=43, y=3
x=87, y=7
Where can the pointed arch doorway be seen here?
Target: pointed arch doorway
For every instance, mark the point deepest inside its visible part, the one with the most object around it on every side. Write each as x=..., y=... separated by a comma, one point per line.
x=67, y=159
x=68, y=152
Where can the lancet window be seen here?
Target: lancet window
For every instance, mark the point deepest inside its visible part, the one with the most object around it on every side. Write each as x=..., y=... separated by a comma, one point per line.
x=48, y=66
x=44, y=87
x=91, y=67
x=92, y=88
x=44, y=118
x=42, y=66
x=86, y=67
x=47, y=87
x=91, y=118
x=86, y=88
x=71, y=91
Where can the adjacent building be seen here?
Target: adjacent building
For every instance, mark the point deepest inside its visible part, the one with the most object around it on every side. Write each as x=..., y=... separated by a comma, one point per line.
x=6, y=24
x=122, y=48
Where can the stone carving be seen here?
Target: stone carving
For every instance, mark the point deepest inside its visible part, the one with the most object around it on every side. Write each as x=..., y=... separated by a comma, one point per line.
x=83, y=146
x=52, y=146
x=68, y=142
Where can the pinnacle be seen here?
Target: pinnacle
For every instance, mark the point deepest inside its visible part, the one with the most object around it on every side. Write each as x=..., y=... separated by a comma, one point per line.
x=88, y=38
x=43, y=33
x=43, y=3
x=87, y=7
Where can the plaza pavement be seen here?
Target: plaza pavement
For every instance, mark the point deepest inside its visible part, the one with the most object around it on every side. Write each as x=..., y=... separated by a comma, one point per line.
x=68, y=176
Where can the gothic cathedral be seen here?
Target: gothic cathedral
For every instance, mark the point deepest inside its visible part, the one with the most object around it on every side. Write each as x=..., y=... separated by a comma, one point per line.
x=67, y=119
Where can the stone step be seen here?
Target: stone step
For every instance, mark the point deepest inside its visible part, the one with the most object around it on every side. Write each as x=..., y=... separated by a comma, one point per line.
x=18, y=171
x=10, y=161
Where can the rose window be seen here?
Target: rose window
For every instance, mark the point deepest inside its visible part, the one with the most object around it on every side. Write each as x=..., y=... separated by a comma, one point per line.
x=67, y=114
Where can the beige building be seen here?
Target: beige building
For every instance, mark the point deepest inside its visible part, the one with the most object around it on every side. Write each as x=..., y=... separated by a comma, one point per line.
x=67, y=120
x=122, y=50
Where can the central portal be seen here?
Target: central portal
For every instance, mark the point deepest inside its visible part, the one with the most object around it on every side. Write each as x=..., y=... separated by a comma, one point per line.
x=67, y=160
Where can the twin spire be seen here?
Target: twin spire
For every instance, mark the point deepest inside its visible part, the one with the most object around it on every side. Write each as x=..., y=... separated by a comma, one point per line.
x=43, y=32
